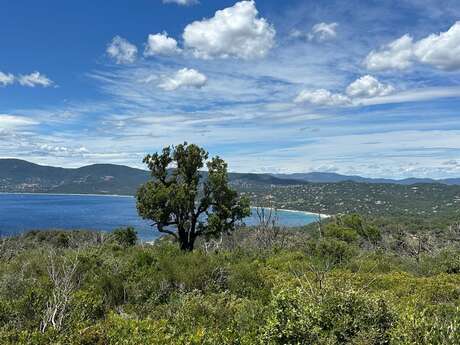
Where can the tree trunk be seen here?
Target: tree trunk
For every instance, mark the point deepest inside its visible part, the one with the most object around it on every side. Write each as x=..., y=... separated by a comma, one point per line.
x=187, y=237
x=187, y=245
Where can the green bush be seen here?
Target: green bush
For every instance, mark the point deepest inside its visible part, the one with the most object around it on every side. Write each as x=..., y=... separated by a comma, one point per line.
x=86, y=308
x=338, y=232
x=126, y=237
x=327, y=317
x=421, y=324
x=331, y=251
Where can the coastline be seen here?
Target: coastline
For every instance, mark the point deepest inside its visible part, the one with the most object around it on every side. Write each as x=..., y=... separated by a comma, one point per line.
x=322, y=215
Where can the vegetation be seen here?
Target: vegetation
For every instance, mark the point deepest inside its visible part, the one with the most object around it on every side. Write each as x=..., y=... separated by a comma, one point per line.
x=390, y=277
x=177, y=198
x=344, y=282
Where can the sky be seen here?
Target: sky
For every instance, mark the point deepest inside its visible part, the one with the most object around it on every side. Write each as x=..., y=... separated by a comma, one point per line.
x=365, y=87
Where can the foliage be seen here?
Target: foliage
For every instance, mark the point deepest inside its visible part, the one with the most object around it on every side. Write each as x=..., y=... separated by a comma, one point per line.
x=319, y=290
x=302, y=316
x=178, y=198
x=126, y=237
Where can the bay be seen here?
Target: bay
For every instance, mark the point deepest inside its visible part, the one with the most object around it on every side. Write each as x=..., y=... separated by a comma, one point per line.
x=20, y=213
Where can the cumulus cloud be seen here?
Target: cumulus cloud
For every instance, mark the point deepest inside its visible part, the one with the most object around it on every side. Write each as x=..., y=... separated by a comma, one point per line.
x=122, y=51
x=161, y=44
x=236, y=31
x=368, y=86
x=12, y=121
x=438, y=50
x=364, y=87
x=395, y=55
x=184, y=78
x=441, y=51
x=6, y=79
x=322, y=97
x=181, y=2
x=34, y=79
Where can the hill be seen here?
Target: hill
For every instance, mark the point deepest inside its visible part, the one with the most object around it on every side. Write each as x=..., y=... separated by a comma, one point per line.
x=322, y=177
x=22, y=176
x=415, y=204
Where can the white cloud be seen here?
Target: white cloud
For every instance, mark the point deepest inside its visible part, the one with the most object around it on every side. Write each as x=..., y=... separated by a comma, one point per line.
x=322, y=97
x=233, y=32
x=438, y=50
x=161, y=44
x=323, y=32
x=61, y=150
x=396, y=55
x=181, y=2
x=6, y=79
x=35, y=79
x=364, y=87
x=441, y=51
x=13, y=121
x=368, y=86
x=122, y=51
x=184, y=78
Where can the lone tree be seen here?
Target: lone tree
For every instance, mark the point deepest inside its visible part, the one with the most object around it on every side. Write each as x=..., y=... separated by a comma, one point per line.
x=182, y=203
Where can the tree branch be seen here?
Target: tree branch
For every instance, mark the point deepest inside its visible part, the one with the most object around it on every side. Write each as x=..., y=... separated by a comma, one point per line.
x=161, y=229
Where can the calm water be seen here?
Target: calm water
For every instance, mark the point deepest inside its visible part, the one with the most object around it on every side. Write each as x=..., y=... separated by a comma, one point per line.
x=23, y=212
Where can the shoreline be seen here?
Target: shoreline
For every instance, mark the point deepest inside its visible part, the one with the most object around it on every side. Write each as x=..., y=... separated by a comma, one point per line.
x=309, y=213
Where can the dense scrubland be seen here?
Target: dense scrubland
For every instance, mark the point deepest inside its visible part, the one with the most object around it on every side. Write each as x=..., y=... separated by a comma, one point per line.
x=343, y=281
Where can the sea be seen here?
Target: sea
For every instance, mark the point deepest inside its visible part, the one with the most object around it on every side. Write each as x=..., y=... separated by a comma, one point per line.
x=20, y=213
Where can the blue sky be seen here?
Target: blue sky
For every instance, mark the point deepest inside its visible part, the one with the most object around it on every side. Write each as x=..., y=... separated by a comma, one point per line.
x=355, y=87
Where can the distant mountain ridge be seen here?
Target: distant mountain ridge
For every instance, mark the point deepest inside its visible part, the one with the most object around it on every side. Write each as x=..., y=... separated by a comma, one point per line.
x=22, y=176
x=325, y=177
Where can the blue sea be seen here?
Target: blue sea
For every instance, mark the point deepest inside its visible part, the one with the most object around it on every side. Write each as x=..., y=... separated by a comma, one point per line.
x=24, y=212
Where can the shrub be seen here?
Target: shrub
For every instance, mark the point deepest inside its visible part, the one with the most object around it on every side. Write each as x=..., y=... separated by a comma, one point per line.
x=298, y=317
x=126, y=237
x=421, y=324
x=331, y=250
x=340, y=233
x=86, y=308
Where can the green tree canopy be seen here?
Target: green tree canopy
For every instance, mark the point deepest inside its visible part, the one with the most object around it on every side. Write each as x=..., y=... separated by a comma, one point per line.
x=182, y=203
